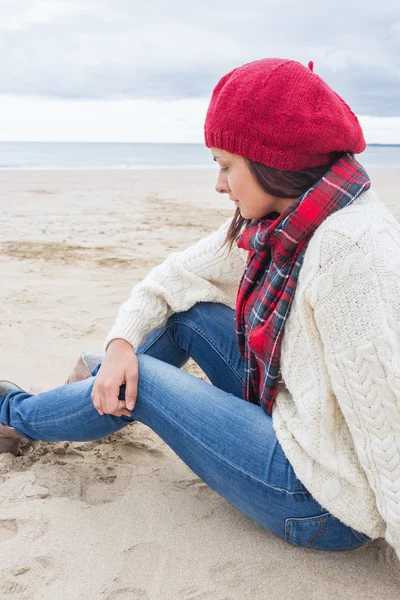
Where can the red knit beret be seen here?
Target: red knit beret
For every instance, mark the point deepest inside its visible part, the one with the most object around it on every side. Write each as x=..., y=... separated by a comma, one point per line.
x=280, y=113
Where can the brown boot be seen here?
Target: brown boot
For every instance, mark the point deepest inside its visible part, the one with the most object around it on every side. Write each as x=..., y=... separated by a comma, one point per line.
x=9, y=438
x=87, y=362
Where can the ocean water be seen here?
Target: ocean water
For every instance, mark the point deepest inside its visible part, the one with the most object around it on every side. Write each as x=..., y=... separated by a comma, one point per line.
x=48, y=156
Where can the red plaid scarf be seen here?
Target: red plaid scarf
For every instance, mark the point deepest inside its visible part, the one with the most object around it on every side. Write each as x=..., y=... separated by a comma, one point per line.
x=276, y=252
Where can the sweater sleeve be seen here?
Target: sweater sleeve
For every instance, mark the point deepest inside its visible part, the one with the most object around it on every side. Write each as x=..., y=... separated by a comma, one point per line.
x=356, y=310
x=202, y=272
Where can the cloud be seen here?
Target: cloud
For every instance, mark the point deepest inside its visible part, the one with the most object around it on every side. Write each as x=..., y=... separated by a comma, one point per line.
x=126, y=49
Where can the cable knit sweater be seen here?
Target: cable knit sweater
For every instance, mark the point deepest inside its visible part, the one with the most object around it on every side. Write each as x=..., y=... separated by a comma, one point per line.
x=337, y=411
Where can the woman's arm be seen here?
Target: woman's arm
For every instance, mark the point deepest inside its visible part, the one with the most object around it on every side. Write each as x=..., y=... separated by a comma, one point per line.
x=201, y=272
x=357, y=313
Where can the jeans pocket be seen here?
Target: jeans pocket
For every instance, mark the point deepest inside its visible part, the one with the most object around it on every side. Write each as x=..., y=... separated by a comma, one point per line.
x=305, y=531
x=323, y=532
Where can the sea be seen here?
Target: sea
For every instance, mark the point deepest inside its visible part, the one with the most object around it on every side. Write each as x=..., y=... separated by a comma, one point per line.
x=48, y=156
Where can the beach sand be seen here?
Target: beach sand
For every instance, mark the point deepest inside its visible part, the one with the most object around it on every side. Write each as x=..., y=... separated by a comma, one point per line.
x=124, y=517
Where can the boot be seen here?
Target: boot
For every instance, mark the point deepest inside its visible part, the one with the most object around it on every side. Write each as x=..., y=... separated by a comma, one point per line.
x=9, y=438
x=87, y=362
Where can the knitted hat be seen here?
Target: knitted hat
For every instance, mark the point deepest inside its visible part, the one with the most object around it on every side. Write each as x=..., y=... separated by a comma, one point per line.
x=280, y=113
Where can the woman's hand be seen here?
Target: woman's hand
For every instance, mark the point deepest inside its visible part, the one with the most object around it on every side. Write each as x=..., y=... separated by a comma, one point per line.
x=119, y=366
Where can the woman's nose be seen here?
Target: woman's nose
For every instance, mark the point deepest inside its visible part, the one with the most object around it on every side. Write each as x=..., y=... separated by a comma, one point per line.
x=221, y=186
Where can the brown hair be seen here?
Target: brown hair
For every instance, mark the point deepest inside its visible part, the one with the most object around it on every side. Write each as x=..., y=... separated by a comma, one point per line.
x=283, y=184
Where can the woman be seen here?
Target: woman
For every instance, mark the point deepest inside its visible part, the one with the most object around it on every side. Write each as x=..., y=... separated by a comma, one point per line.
x=295, y=325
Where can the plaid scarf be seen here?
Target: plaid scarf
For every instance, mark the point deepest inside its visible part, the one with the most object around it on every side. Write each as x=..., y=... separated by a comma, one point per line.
x=277, y=244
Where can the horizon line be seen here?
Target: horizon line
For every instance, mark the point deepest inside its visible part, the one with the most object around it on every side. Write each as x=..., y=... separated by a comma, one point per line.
x=119, y=142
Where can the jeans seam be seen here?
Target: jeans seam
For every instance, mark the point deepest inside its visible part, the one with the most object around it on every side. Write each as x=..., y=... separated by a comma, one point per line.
x=154, y=341
x=224, y=459
x=317, y=534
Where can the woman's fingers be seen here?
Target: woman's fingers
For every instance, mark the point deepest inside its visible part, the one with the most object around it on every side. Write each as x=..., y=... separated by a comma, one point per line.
x=111, y=401
x=131, y=391
x=99, y=402
x=121, y=410
x=96, y=398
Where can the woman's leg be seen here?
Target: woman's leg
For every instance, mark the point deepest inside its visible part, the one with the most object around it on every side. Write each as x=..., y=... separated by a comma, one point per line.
x=229, y=443
x=204, y=332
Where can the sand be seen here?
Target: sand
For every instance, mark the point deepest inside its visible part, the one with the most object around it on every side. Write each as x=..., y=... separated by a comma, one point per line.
x=124, y=517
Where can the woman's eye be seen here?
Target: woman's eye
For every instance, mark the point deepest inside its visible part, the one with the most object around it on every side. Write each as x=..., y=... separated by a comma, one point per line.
x=224, y=169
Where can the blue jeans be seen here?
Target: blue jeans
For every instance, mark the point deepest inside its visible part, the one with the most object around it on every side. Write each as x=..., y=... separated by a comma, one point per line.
x=228, y=442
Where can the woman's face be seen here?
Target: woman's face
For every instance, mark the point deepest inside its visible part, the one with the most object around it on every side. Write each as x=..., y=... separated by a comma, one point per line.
x=236, y=179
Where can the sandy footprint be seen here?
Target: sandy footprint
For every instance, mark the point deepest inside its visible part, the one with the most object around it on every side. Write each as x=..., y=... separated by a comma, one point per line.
x=194, y=482
x=17, y=486
x=91, y=481
x=239, y=578
x=105, y=484
x=26, y=577
x=199, y=489
x=9, y=588
x=191, y=593
x=145, y=564
x=128, y=593
x=8, y=529
x=30, y=529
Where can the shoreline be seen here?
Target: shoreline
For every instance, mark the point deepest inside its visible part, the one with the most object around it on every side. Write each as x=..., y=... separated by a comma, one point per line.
x=146, y=168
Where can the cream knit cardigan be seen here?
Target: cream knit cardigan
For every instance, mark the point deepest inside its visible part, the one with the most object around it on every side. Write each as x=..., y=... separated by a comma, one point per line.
x=337, y=412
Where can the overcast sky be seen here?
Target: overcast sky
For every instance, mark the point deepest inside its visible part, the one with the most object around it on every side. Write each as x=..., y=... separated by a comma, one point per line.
x=124, y=70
